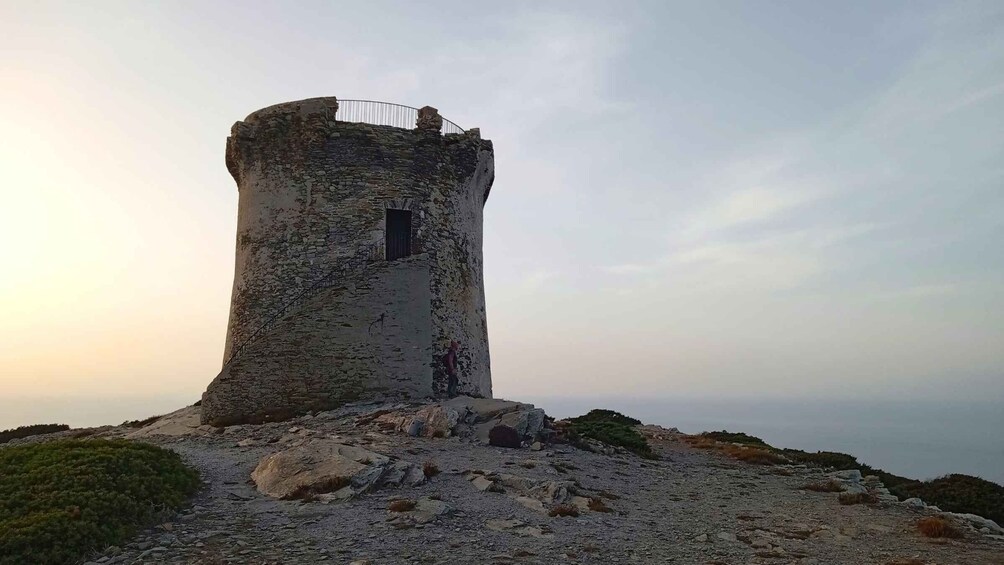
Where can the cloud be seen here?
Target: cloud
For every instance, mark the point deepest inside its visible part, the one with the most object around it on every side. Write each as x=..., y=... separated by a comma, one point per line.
x=924, y=290
x=745, y=206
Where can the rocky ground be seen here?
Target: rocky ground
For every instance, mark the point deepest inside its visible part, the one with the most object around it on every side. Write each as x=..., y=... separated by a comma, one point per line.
x=491, y=505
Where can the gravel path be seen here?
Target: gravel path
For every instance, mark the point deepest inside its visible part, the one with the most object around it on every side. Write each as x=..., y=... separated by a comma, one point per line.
x=690, y=507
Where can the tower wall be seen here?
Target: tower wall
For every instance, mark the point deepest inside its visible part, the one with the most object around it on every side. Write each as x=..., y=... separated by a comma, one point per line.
x=313, y=195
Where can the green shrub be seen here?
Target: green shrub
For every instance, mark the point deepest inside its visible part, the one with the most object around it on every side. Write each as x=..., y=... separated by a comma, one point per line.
x=600, y=415
x=33, y=430
x=63, y=499
x=737, y=437
x=958, y=493
x=141, y=423
x=612, y=428
x=843, y=462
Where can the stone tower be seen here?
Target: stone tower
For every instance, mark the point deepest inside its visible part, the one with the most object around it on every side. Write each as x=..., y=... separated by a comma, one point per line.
x=358, y=259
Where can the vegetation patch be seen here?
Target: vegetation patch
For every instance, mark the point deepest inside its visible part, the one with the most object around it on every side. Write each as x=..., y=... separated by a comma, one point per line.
x=32, y=430
x=402, y=505
x=612, y=428
x=754, y=455
x=953, y=493
x=937, y=527
x=958, y=493
x=736, y=437
x=843, y=462
x=430, y=469
x=61, y=500
x=141, y=423
x=597, y=505
x=564, y=510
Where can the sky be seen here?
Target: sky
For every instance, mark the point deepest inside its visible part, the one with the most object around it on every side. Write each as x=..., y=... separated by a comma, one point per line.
x=692, y=199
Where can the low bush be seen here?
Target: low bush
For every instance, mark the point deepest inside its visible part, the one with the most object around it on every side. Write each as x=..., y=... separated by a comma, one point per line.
x=601, y=415
x=754, y=455
x=958, y=493
x=843, y=462
x=736, y=437
x=612, y=428
x=937, y=527
x=141, y=423
x=32, y=430
x=63, y=499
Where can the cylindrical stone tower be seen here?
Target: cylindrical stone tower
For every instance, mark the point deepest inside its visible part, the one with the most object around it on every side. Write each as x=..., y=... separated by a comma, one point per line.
x=358, y=261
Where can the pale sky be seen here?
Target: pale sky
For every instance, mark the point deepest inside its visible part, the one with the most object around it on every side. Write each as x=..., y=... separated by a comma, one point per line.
x=692, y=199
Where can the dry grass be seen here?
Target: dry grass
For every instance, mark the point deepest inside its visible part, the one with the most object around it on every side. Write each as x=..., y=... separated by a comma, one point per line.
x=401, y=505
x=849, y=498
x=745, y=453
x=430, y=469
x=824, y=486
x=937, y=527
x=700, y=442
x=597, y=505
x=753, y=455
x=564, y=510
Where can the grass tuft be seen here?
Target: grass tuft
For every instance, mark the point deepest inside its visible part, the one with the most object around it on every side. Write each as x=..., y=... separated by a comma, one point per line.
x=824, y=486
x=754, y=455
x=937, y=527
x=401, y=505
x=430, y=469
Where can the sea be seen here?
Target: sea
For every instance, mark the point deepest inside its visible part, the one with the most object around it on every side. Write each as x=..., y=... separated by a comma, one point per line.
x=919, y=439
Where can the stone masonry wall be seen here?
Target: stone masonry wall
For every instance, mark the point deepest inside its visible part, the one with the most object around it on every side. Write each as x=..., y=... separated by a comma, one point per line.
x=367, y=338
x=313, y=194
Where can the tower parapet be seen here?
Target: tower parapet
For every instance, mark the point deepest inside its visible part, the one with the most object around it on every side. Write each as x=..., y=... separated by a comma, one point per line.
x=358, y=261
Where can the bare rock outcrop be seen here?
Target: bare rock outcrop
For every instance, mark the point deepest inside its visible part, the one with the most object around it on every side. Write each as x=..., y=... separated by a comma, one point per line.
x=328, y=470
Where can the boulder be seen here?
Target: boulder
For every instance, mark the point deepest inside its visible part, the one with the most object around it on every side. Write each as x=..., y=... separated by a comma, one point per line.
x=319, y=467
x=184, y=422
x=504, y=436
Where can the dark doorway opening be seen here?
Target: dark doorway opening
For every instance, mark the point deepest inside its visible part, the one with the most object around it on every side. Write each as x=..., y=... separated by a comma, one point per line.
x=398, y=234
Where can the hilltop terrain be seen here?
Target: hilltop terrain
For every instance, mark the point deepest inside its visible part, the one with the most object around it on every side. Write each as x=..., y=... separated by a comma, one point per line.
x=419, y=483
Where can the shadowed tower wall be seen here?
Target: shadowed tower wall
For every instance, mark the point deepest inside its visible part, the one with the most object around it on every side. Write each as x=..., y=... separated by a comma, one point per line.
x=327, y=307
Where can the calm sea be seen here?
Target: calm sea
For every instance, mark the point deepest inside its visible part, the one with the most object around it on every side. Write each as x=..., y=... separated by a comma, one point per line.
x=921, y=439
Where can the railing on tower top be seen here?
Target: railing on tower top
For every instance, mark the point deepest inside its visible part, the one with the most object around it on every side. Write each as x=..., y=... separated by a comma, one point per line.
x=384, y=114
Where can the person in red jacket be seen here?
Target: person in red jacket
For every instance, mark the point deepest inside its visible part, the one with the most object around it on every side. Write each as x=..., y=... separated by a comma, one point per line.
x=450, y=360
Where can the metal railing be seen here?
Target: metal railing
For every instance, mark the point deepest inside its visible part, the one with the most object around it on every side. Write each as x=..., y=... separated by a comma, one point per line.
x=385, y=114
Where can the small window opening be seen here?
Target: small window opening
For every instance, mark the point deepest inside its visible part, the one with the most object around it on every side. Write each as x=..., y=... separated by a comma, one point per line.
x=398, y=234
